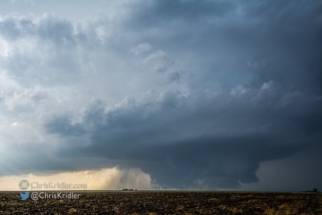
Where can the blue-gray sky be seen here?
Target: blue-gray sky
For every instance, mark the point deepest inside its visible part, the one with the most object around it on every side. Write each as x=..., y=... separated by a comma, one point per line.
x=212, y=93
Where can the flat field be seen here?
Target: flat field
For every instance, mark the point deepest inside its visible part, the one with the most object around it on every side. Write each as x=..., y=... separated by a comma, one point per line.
x=167, y=202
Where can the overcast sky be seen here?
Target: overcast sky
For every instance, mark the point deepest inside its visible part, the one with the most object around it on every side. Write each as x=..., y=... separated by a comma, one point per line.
x=185, y=94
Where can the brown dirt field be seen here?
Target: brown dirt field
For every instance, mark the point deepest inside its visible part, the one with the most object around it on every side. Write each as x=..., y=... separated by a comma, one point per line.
x=168, y=202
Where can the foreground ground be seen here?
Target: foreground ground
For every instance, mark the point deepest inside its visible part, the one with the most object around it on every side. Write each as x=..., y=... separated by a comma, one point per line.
x=169, y=202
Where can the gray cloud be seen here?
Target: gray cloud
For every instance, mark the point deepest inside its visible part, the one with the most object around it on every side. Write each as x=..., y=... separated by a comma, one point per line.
x=195, y=93
x=218, y=140
x=285, y=35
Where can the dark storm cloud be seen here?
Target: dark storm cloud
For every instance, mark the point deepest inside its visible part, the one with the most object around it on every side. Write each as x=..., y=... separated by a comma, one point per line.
x=218, y=140
x=271, y=47
x=251, y=78
x=281, y=37
x=166, y=12
x=290, y=32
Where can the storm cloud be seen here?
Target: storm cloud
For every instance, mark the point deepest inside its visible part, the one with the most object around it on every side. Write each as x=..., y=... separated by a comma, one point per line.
x=193, y=93
x=218, y=140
